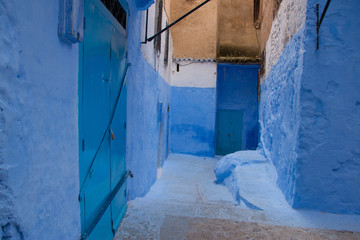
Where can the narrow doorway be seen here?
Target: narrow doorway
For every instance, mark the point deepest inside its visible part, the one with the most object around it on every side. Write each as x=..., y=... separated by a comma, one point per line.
x=237, y=108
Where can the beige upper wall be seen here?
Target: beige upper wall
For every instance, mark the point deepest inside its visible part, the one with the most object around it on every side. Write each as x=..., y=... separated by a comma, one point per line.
x=218, y=29
x=195, y=36
x=167, y=6
x=268, y=10
x=225, y=28
x=236, y=31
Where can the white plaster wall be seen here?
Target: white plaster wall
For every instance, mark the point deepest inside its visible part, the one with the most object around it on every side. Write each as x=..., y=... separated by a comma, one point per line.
x=194, y=74
x=147, y=49
x=154, y=58
x=288, y=21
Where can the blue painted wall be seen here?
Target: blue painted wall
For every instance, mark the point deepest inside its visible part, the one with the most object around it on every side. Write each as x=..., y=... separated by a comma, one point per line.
x=39, y=175
x=329, y=159
x=193, y=120
x=310, y=111
x=279, y=115
x=39, y=158
x=145, y=89
x=237, y=90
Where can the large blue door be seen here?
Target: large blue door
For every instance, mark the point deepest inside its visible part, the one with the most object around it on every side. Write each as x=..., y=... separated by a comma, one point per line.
x=102, y=122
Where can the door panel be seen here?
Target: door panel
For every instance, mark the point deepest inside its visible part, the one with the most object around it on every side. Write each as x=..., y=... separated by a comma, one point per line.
x=118, y=126
x=96, y=111
x=118, y=207
x=104, y=62
x=96, y=100
x=229, y=131
x=103, y=230
x=98, y=183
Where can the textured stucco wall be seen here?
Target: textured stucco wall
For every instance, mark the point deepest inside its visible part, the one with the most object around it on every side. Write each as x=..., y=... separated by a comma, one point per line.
x=146, y=88
x=310, y=109
x=38, y=124
x=289, y=19
x=268, y=10
x=279, y=115
x=329, y=159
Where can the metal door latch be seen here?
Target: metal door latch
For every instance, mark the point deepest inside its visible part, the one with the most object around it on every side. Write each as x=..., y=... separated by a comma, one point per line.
x=112, y=134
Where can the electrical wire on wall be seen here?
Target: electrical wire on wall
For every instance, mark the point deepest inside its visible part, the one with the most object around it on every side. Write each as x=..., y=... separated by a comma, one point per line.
x=191, y=61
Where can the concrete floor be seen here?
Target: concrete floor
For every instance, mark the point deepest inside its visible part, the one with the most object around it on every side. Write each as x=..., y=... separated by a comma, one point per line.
x=185, y=203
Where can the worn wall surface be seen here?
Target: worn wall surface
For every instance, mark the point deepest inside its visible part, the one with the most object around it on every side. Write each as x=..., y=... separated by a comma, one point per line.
x=39, y=181
x=195, y=36
x=236, y=90
x=148, y=100
x=236, y=31
x=279, y=115
x=157, y=58
x=268, y=10
x=288, y=20
x=310, y=109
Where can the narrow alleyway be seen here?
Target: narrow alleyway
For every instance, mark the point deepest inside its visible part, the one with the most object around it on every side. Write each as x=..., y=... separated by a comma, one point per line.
x=186, y=203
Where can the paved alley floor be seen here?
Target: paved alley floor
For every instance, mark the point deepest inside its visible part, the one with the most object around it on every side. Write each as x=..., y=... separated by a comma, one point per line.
x=185, y=203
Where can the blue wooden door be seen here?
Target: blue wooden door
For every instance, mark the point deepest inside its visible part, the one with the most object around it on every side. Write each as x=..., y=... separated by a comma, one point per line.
x=229, y=131
x=102, y=121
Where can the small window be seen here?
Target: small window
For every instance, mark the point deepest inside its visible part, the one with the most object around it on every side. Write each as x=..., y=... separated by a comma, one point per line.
x=116, y=10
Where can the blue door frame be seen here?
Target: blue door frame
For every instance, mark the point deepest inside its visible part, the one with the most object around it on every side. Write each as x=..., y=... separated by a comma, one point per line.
x=102, y=122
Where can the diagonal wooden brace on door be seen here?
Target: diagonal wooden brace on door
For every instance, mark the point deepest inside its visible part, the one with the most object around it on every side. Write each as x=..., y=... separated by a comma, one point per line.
x=107, y=130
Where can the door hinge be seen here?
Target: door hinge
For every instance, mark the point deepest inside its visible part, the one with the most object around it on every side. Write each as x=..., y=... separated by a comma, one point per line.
x=83, y=145
x=84, y=24
x=124, y=125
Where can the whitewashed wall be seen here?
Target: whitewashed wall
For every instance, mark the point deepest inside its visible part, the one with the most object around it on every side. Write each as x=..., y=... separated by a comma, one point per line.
x=288, y=21
x=194, y=74
x=155, y=59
